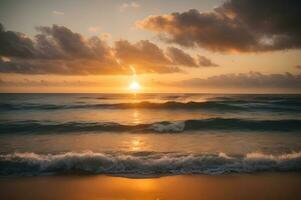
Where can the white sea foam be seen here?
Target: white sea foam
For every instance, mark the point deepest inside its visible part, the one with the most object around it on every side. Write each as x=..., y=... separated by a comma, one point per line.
x=145, y=163
x=170, y=127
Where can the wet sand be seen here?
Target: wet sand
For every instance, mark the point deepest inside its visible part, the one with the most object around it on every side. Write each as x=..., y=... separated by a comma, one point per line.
x=189, y=187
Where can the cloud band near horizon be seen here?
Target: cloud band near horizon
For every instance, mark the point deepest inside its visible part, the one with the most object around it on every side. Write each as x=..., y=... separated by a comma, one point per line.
x=58, y=50
x=240, y=81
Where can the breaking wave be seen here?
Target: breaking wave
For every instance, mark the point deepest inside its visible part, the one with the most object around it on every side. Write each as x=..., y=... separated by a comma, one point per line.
x=225, y=124
x=145, y=163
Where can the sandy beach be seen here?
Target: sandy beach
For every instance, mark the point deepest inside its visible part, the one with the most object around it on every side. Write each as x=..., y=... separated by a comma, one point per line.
x=244, y=186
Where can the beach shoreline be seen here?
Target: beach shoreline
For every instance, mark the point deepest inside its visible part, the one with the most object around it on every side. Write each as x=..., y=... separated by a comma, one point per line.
x=284, y=185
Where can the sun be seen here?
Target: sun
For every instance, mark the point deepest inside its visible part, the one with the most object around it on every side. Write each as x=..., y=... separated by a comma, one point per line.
x=134, y=86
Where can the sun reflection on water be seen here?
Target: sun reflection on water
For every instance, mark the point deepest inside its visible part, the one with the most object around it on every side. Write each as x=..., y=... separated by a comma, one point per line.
x=136, y=144
x=136, y=117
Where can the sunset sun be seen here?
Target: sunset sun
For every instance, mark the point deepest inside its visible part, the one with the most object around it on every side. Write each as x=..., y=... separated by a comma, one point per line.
x=134, y=86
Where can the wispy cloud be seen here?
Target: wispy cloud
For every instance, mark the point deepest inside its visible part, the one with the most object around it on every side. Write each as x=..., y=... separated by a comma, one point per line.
x=105, y=36
x=255, y=80
x=43, y=82
x=131, y=5
x=58, y=13
x=94, y=29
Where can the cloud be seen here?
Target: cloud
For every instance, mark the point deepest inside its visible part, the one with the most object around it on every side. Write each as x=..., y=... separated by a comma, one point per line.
x=179, y=57
x=105, y=36
x=93, y=29
x=4, y=59
x=15, y=44
x=59, y=13
x=58, y=50
x=236, y=25
x=245, y=80
x=61, y=67
x=145, y=56
x=46, y=83
x=206, y=62
x=56, y=42
x=72, y=44
x=132, y=5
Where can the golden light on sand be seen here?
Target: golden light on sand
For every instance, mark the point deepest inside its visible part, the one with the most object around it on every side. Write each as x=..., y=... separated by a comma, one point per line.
x=134, y=86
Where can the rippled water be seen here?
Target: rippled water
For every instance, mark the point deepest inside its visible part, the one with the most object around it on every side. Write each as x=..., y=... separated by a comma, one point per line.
x=149, y=134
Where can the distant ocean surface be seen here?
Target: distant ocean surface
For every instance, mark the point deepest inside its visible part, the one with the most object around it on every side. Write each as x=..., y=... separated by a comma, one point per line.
x=149, y=134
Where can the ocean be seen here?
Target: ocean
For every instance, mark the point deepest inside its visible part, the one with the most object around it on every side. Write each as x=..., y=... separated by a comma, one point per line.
x=149, y=135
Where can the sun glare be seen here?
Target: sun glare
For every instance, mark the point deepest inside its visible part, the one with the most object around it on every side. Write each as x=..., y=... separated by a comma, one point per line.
x=134, y=86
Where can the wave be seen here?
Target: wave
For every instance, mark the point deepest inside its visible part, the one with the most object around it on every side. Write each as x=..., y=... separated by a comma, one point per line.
x=221, y=106
x=145, y=163
x=223, y=124
x=143, y=104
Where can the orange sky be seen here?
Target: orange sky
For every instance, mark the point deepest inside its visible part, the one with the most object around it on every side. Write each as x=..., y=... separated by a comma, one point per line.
x=174, y=46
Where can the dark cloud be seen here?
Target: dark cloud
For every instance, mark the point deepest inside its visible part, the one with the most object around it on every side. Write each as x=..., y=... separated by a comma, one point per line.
x=179, y=57
x=70, y=43
x=58, y=50
x=15, y=44
x=236, y=25
x=144, y=56
x=56, y=42
x=61, y=67
x=245, y=80
x=148, y=57
x=47, y=48
x=206, y=62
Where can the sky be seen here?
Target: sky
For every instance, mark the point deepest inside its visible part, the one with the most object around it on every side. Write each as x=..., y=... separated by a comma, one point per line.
x=233, y=46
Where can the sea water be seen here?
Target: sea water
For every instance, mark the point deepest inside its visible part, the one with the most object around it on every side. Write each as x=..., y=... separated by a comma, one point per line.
x=149, y=134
